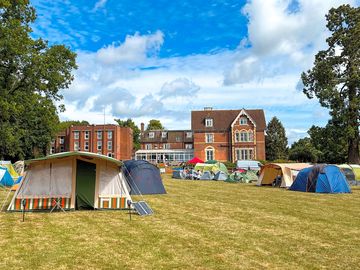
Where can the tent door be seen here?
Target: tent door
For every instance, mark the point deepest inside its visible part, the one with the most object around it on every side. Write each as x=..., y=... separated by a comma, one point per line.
x=85, y=185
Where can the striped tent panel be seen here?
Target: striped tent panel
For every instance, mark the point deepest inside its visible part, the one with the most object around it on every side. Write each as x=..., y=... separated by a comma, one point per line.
x=113, y=203
x=39, y=204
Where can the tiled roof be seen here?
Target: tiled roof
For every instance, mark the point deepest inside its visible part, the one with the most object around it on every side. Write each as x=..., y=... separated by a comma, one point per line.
x=222, y=119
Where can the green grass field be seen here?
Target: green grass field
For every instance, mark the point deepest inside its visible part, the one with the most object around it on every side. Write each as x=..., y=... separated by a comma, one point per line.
x=197, y=225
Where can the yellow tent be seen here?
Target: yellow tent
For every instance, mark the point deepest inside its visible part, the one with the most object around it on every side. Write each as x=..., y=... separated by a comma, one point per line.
x=10, y=169
x=287, y=171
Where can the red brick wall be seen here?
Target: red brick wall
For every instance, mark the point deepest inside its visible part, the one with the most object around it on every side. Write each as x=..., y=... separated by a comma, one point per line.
x=220, y=145
x=260, y=145
x=122, y=143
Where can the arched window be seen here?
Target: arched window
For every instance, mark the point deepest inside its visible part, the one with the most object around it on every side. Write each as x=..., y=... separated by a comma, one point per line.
x=251, y=136
x=243, y=120
x=237, y=136
x=244, y=136
x=209, y=153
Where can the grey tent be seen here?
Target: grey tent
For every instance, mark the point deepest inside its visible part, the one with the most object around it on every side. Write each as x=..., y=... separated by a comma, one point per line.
x=178, y=174
x=220, y=176
x=143, y=177
x=206, y=176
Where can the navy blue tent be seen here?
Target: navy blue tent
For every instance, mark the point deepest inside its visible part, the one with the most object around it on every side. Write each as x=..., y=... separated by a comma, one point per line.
x=321, y=179
x=143, y=177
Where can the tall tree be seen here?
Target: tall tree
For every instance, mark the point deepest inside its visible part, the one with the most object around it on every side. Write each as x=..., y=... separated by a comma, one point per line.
x=154, y=125
x=275, y=140
x=330, y=141
x=304, y=151
x=31, y=74
x=136, y=131
x=335, y=77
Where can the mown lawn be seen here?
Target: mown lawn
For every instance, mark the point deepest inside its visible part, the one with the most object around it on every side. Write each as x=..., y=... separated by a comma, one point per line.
x=197, y=225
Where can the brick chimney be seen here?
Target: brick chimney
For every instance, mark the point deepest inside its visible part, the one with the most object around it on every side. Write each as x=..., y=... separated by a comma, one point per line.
x=142, y=127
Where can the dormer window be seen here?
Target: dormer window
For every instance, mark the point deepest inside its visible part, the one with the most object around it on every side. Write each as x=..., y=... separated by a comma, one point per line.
x=208, y=122
x=163, y=134
x=243, y=121
x=151, y=135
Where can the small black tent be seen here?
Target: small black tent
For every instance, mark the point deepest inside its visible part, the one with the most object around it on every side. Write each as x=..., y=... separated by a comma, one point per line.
x=143, y=177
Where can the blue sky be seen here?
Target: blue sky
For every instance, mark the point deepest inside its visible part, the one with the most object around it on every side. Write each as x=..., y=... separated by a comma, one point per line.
x=162, y=59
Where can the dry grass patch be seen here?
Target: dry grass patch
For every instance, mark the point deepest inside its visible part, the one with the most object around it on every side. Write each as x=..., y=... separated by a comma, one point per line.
x=197, y=225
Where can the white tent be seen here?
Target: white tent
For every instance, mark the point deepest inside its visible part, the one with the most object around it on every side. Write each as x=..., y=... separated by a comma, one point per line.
x=73, y=180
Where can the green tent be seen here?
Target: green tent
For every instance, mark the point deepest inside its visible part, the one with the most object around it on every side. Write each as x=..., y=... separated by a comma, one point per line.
x=212, y=167
x=235, y=177
x=248, y=176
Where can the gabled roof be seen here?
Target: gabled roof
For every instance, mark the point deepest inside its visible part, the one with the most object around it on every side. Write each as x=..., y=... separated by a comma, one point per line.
x=75, y=153
x=224, y=118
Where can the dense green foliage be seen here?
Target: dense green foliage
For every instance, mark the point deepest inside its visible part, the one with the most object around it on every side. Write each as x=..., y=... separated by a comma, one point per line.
x=275, y=140
x=154, y=125
x=335, y=77
x=31, y=74
x=330, y=141
x=136, y=131
x=304, y=151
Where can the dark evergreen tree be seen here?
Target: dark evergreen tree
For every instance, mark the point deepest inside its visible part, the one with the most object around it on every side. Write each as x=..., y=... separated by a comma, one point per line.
x=304, y=151
x=275, y=140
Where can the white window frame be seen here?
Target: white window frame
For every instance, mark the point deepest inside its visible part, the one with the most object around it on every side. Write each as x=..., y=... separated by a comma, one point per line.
x=189, y=134
x=86, y=134
x=244, y=153
x=99, y=134
x=99, y=145
x=250, y=136
x=163, y=134
x=109, y=145
x=166, y=146
x=52, y=150
x=209, y=122
x=244, y=136
x=76, y=146
x=209, y=137
x=76, y=135
x=188, y=146
x=209, y=150
x=151, y=135
x=243, y=121
x=148, y=146
x=110, y=134
x=86, y=146
x=61, y=140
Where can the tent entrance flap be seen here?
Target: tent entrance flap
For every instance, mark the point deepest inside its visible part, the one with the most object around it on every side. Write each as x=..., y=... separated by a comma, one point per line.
x=85, y=185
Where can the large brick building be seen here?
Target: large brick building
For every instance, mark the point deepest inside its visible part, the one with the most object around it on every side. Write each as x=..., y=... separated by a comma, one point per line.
x=229, y=135
x=165, y=145
x=110, y=140
x=224, y=135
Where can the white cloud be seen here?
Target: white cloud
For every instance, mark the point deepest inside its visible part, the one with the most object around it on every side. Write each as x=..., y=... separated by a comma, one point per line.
x=280, y=40
x=99, y=4
x=135, y=49
x=178, y=88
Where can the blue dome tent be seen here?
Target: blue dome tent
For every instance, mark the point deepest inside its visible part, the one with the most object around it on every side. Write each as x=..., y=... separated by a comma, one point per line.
x=321, y=179
x=143, y=177
x=5, y=178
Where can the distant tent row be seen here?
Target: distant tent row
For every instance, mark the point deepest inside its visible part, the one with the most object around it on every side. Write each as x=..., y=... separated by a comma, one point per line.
x=83, y=180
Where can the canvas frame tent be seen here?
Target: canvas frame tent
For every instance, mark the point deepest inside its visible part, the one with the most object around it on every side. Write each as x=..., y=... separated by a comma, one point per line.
x=287, y=171
x=74, y=180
